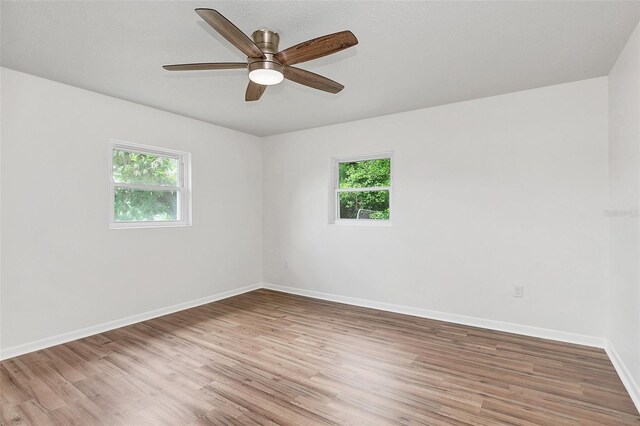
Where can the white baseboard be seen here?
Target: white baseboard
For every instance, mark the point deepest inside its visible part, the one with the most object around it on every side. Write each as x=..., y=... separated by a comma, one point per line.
x=627, y=379
x=508, y=327
x=59, y=339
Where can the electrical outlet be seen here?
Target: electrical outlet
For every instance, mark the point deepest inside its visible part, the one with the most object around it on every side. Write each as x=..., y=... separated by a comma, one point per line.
x=286, y=264
x=518, y=291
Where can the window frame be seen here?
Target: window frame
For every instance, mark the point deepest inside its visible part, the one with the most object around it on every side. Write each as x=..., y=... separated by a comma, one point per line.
x=336, y=190
x=183, y=189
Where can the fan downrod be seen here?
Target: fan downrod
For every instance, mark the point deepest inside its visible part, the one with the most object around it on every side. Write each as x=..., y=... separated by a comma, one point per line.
x=267, y=40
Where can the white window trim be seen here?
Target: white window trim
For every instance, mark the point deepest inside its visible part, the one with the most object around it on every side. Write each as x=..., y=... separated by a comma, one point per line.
x=184, y=188
x=335, y=177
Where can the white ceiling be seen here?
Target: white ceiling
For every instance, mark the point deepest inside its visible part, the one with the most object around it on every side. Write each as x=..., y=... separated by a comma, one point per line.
x=411, y=54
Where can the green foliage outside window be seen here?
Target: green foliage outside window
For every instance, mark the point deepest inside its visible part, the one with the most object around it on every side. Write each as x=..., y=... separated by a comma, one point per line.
x=133, y=204
x=135, y=167
x=364, y=174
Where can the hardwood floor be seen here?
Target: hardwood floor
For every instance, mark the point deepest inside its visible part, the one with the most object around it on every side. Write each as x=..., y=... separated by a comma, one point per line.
x=271, y=358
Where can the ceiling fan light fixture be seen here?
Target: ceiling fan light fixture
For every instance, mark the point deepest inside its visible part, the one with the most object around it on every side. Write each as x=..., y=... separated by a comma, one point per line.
x=266, y=73
x=266, y=77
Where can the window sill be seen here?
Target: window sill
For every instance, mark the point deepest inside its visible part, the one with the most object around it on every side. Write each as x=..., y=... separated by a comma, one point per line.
x=362, y=222
x=147, y=225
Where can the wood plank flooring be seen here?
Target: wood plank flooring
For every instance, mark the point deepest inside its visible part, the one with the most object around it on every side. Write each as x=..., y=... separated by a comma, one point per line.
x=271, y=358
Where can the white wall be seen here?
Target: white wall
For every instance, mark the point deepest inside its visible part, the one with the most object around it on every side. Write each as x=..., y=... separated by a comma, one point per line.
x=62, y=268
x=624, y=179
x=491, y=193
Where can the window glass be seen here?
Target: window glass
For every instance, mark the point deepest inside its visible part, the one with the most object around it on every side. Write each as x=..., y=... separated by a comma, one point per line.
x=365, y=174
x=136, y=167
x=143, y=205
x=364, y=205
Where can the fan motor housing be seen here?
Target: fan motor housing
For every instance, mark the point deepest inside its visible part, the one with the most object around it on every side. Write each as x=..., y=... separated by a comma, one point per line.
x=267, y=40
x=265, y=64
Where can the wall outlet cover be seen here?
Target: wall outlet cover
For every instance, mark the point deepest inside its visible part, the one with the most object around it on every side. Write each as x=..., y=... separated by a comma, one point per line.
x=518, y=291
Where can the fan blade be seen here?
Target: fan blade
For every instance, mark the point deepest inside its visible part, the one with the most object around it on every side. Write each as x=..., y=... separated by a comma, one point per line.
x=316, y=81
x=254, y=91
x=317, y=48
x=206, y=66
x=229, y=31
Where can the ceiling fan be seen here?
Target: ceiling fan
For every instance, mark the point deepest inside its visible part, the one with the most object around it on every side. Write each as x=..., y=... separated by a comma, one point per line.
x=268, y=66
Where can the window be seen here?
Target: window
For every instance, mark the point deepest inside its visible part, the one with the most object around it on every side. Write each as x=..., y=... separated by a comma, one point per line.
x=363, y=190
x=150, y=187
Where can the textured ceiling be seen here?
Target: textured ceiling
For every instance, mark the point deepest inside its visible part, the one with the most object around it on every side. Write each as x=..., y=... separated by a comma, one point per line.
x=411, y=54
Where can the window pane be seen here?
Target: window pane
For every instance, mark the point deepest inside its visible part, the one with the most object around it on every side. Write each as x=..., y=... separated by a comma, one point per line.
x=134, y=167
x=134, y=205
x=365, y=174
x=364, y=205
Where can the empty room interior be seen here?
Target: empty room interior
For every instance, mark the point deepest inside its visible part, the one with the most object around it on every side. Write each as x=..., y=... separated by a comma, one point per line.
x=319, y=212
